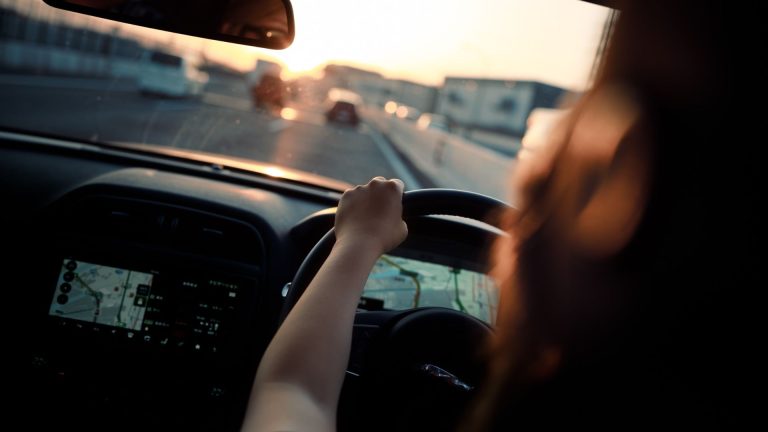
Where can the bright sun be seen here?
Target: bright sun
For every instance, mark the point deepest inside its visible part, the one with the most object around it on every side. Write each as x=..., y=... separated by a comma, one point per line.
x=296, y=60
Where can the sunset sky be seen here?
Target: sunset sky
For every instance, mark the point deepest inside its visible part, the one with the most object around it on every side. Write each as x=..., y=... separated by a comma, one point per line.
x=425, y=40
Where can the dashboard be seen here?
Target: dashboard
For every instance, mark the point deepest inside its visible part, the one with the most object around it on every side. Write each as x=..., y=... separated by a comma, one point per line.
x=145, y=290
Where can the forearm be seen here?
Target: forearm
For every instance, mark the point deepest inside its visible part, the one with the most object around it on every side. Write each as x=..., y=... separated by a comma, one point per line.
x=311, y=348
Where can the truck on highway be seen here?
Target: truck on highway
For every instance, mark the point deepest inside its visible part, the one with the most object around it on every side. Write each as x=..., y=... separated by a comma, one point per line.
x=170, y=75
x=267, y=89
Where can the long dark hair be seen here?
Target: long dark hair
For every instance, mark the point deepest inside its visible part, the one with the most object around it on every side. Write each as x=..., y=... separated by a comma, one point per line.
x=614, y=286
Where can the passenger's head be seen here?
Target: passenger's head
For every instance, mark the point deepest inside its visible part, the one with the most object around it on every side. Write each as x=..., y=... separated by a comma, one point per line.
x=607, y=285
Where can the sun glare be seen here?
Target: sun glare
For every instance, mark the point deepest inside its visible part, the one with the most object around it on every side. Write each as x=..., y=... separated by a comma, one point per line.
x=289, y=113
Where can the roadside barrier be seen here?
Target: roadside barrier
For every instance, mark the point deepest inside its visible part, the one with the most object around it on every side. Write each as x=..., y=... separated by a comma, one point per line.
x=447, y=160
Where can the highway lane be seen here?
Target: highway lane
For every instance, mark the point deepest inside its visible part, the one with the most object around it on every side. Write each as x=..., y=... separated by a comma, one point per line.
x=103, y=110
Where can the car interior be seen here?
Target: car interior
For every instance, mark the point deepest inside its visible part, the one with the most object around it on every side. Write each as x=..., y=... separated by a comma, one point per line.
x=222, y=258
x=147, y=283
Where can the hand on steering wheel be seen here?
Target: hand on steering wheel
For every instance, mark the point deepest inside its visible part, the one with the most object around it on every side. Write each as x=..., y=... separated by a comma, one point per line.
x=426, y=359
x=372, y=214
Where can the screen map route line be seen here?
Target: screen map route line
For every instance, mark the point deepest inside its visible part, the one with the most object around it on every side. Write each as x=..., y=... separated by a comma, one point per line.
x=407, y=273
x=402, y=283
x=101, y=294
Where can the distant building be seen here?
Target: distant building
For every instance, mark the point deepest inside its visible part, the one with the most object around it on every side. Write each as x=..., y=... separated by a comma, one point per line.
x=380, y=91
x=377, y=90
x=29, y=39
x=499, y=106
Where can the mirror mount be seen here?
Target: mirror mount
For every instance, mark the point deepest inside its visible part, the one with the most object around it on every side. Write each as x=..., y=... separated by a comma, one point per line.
x=260, y=23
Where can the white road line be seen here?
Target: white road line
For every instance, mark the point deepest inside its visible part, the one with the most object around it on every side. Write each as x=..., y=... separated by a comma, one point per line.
x=402, y=172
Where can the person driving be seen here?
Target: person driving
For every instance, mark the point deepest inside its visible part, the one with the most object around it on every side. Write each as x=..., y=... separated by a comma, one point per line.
x=609, y=287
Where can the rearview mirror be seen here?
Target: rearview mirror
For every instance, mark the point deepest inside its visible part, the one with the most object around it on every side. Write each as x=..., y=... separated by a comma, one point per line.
x=261, y=23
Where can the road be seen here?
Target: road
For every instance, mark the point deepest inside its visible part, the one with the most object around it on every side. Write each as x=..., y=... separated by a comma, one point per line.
x=219, y=122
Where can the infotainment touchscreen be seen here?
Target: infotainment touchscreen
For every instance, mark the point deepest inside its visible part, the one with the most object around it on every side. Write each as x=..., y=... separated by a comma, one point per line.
x=181, y=309
x=101, y=294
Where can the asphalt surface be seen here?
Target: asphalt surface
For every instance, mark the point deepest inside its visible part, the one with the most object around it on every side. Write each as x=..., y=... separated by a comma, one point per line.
x=221, y=121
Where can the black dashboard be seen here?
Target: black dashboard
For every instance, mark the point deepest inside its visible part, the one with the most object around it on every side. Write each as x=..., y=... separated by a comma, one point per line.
x=144, y=290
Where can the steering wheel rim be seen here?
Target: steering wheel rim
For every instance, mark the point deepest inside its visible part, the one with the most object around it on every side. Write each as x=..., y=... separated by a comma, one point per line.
x=409, y=355
x=422, y=202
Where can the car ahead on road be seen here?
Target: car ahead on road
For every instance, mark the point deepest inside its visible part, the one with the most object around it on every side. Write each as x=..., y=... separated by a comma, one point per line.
x=154, y=247
x=342, y=107
x=170, y=75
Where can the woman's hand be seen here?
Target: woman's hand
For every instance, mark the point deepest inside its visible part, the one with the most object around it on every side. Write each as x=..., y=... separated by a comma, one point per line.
x=371, y=216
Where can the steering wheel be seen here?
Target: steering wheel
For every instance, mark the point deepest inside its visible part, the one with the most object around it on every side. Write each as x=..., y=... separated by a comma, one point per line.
x=428, y=360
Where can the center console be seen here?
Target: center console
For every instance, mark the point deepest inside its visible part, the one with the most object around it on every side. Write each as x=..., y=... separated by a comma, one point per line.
x=145, y=315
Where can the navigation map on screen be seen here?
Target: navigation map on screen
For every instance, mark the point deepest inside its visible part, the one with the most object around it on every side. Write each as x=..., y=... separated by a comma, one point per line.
x=403, y=283
x=101, y=294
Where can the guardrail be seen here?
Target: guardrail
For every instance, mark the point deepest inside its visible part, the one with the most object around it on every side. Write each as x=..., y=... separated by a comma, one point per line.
x=25, y=57
x=22, y=56
x=447, y=160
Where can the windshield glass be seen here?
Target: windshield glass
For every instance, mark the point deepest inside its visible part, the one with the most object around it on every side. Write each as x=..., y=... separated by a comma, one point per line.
x=435, y=92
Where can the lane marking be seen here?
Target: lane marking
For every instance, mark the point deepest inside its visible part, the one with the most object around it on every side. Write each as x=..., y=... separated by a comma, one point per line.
x=402, y=172
x=213, y=129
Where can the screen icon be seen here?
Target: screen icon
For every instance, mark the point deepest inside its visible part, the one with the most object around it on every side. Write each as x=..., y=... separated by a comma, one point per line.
x=142, y=290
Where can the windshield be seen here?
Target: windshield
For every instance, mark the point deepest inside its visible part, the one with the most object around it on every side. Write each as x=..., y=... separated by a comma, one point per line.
x=434, y=92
